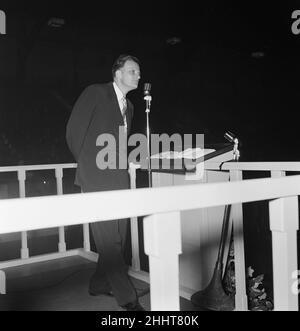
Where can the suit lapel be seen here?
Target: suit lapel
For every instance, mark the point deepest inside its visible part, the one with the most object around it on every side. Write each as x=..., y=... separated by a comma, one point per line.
x=115, y=104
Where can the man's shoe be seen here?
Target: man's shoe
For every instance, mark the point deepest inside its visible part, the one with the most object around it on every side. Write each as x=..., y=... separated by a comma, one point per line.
x=133, y=306
x=97, y=293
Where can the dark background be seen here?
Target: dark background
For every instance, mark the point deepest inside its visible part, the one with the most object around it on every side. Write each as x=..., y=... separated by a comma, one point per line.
x=214, y=66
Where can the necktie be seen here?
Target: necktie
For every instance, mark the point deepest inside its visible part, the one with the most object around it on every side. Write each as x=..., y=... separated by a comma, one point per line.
x=123, y=110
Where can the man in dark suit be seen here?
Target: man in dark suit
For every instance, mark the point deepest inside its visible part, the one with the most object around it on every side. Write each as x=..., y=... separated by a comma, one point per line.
x=103, y=109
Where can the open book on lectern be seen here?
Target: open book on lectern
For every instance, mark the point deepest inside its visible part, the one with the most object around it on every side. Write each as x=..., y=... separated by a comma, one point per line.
x=189, y=153
x=190, y=157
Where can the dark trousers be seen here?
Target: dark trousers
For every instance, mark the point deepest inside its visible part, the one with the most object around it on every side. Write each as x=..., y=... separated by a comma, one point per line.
x=112, y=271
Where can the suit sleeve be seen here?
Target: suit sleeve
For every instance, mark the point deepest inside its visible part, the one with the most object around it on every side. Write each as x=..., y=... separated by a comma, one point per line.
x=80, y=119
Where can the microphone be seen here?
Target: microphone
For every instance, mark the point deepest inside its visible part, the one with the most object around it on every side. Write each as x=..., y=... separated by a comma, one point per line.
x=147, y=89
x=147, y=96
x=230, y=136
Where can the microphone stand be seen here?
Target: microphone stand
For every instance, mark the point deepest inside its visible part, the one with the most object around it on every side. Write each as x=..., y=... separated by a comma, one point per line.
x=148, y=100
x=214, y=297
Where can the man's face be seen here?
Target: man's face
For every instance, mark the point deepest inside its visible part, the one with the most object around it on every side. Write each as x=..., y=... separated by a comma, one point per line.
x=130, y=75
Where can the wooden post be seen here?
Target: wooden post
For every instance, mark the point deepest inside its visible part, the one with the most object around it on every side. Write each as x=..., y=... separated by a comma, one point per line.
x=22, y=194
x=277, y=173
x=284, y=227
x=162, y=233
x=2, y=282
x=86, y=237
x=59, y=186
x=241, y=301
x=2, y=22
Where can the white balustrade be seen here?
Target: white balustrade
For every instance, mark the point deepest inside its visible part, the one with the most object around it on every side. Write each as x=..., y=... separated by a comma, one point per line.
x=163, y=223
x=21, y=172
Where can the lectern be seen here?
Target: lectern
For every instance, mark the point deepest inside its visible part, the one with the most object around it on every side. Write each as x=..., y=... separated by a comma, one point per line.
x=201, y=228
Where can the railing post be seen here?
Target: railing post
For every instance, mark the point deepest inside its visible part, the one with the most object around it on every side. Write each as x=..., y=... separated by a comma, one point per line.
x=162, y=235
x=2, y=282
x=61, y=230
x=284, y=226
x=136, y=264
x=86, y=237
x=22, y=194
x=277, y=173
x=241, y=301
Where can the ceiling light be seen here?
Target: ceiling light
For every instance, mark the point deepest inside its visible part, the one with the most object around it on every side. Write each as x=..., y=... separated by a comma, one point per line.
x=258, y=55
x=56, y=22
x=173, y=41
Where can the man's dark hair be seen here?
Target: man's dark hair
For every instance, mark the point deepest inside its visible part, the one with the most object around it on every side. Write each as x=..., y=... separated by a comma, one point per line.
x=120, y=61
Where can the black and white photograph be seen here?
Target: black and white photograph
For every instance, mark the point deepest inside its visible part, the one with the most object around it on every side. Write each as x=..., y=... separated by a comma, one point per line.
x=149, y=158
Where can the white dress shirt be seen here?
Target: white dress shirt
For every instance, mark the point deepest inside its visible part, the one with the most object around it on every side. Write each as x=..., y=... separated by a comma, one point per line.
x=122, y=102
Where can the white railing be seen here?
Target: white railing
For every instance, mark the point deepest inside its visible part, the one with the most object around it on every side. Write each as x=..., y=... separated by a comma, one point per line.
x=164, y=221
x=22, y=175
x=236, y=171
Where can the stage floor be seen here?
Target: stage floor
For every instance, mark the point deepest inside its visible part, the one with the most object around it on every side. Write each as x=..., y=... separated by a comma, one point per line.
x=61, y=285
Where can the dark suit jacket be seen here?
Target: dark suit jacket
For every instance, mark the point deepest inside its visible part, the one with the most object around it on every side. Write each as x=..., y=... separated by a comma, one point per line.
x=96, y=112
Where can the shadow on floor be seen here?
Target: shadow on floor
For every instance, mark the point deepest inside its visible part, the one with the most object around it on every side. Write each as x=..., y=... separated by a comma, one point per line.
x=40, y=287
